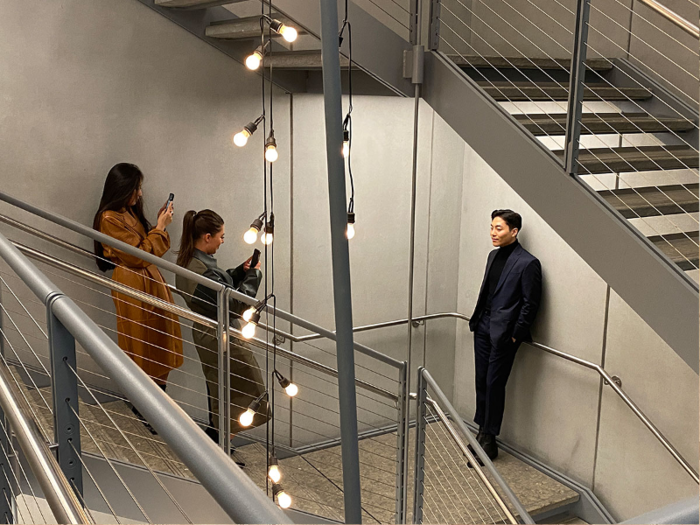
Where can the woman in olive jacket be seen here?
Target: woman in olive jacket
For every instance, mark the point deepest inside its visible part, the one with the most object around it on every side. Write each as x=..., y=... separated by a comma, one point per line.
x=202, y=235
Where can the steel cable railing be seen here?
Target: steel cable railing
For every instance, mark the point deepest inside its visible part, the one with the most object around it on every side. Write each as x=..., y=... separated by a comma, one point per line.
x=377, y=406
x=510, y=82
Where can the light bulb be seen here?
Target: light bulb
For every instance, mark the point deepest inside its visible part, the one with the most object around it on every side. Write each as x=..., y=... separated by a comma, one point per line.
x=292, y=390
x=274, y=473
x=248, y=331
x=271, y=153
x=266, y=238
x=248, y=314
x=284, y=500
x=240, y=139
x=251, y=236
x=288, y=33
x=346, y=149
x=350, y=232
x=246, y=418
x=252, y=62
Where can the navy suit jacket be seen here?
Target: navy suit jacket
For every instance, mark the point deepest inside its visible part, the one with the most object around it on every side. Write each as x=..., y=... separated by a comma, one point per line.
x=515, y=300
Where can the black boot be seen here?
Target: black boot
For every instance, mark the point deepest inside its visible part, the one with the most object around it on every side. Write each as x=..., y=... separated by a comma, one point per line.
x=489, y=445
x=480, y=435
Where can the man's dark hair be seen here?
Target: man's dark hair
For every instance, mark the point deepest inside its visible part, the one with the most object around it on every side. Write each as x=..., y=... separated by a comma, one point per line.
x=511, y=218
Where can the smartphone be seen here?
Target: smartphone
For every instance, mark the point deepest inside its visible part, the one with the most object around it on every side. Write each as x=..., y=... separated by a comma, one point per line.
x=255, y=259
x=170, y=199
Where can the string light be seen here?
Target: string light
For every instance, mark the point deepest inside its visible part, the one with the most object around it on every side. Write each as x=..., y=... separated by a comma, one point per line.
x=289, y=388
x=346, y=143
x=254, y=60
x=350, y=231
x=284, y=500
x=251, y=235
x=240, y=139
x=246, y=418
x=268, y=235
x=288, y=33
x=273, y=472
x=271, y=148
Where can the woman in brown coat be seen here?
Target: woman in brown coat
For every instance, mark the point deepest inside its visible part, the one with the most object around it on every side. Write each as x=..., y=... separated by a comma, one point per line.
x=149, y=335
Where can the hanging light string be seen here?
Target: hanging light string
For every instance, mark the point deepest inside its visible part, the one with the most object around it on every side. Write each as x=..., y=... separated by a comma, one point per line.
x=347, y=125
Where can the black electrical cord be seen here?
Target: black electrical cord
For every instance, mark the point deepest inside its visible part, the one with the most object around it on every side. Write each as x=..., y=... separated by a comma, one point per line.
x=347, y=122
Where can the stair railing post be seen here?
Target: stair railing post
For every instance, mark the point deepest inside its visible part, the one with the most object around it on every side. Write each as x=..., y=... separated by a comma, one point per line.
x=224, y=393
x=421, y=396
x=6, y=493
x=576, y=87
x=434, y=35
x=342, y=293
x=401, y=447
x=64, y=385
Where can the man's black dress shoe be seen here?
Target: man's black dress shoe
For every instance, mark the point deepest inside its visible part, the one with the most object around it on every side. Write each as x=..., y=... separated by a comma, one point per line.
x=489, y=445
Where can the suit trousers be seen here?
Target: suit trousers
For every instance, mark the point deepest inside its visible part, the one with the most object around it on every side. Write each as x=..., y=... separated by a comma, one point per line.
x=492, y=365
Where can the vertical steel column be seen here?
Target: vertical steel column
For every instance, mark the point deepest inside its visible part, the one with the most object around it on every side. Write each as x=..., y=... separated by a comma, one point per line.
x=341, y=261
x=576, y=87
x=401, y=446
x=65, y=397
x=422, y=394
x=224, y=370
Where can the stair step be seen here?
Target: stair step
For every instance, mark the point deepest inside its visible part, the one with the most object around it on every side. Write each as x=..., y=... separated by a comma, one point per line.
x=195, y=4
x=681, y=248
x=601, y=123
x=652, y=201
x=596, y=64
x=242, y=28
x=300, y=60
x=547, y=91
x=639, y=158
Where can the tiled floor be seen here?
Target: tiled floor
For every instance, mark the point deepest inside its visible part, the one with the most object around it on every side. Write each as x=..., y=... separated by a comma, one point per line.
x=452, y=492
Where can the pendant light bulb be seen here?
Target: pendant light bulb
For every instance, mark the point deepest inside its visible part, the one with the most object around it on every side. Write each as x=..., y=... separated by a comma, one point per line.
x=240, y=139
x=271, y=148
x=246, y=418
x=346, y=143
x=350, y=231
x=251, y=236
x=253, y=61
x=288, y=33
x=283, y=499
x=291, y=390
x=274, y=472
x=248, y=314
x=268, y=233
x=248, y=331
x=267, y=238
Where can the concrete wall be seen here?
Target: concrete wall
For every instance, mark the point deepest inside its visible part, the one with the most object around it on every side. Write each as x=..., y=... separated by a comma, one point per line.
x=555, y=409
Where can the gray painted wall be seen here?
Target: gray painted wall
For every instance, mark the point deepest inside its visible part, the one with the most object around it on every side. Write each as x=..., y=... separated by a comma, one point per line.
x=92, y=85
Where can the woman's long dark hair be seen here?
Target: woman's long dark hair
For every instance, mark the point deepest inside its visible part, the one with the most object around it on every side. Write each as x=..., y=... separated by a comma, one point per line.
x=123, y=180
x=194, y=226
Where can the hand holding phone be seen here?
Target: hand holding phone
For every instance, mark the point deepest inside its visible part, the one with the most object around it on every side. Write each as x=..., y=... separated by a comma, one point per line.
x=255, y=259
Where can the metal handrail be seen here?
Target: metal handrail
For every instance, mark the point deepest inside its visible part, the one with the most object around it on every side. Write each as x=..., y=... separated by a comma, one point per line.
x=183, y=272
x=582, y=362
x=673, y=17
x=233, y=490
x=189, y=314
x=57, y=490
x=488, y=464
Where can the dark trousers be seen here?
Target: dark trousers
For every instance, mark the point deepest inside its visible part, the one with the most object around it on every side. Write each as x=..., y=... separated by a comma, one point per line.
x=492, y=365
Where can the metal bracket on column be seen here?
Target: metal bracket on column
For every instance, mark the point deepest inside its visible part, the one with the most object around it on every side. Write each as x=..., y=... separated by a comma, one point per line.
x=401, y=448
x=413, y=61
x=65, y=397
x=576, y=87
x=421, y=396
x=434, y=36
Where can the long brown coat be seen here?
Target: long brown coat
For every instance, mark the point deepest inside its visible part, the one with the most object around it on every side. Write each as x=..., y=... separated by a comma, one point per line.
x=149, y=335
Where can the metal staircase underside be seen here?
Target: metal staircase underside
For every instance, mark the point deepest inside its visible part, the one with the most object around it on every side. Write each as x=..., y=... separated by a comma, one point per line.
x=596, y=230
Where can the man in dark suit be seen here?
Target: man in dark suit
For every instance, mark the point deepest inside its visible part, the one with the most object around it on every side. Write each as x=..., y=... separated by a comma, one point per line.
x=506, y=308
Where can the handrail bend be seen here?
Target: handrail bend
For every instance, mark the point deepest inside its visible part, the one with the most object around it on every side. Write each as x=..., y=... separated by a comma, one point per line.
x=582, y=362
x=232, y=489
x=57, y=490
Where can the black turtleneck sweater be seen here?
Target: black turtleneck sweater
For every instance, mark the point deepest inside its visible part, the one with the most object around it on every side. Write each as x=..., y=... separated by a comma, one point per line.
x=499, y=262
